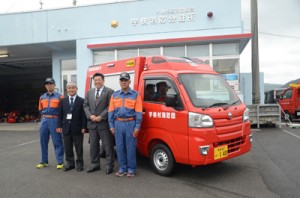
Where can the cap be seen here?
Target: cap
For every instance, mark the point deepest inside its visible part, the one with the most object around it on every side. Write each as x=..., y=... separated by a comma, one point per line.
x=163, y=83
x=124, y=75
x=49, y=80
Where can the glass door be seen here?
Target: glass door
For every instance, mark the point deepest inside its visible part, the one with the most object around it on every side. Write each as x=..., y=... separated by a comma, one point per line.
x=68, y=74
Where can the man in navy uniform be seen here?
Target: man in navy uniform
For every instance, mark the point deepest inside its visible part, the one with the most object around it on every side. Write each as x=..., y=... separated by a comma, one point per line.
x=49, y=107
x=125, y=117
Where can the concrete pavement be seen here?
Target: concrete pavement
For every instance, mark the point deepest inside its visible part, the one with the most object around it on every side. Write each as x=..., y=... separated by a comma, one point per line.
x=20, y=152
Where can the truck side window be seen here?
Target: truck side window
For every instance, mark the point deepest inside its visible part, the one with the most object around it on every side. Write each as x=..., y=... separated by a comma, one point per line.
x=288, y=94
x=161, y=91
x=149, y=92
x=157, y=89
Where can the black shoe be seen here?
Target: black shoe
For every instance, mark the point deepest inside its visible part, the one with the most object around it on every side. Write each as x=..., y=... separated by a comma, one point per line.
x=109, y=170
x=79, y=169
x=92, y=169
x=68, y=167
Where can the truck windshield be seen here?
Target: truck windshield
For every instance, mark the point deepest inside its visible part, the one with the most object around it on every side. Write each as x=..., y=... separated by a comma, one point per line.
x=208, y=90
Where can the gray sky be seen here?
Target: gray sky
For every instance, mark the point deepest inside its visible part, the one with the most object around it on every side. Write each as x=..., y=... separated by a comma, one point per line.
x=278, y=26
x=279, y=39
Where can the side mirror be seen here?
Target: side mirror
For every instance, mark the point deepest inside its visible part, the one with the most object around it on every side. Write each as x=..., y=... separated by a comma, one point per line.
x=173, y=101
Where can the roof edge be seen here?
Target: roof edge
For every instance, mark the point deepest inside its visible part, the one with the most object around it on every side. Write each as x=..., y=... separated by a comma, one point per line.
x=173, y=40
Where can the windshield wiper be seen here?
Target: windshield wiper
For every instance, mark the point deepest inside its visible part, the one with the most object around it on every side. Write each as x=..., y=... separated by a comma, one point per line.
x=224, y=105
x=217, y=104
x=235, y=102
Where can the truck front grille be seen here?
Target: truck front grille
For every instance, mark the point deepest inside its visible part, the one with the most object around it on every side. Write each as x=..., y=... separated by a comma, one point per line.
x=233, y=144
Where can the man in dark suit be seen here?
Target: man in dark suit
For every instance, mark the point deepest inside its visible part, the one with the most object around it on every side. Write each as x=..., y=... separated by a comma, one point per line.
x=72, y=123
x=95, y=106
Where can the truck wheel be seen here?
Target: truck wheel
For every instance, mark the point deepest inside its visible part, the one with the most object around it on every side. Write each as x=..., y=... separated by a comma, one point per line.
x=288, y=116
x=162, y=160
x=291, y=117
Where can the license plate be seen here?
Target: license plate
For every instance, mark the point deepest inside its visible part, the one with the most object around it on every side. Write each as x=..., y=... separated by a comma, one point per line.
x=220, y=152
x=298, y=113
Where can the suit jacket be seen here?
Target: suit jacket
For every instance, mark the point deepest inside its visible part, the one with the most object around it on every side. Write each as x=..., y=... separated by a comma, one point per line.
x=97, y=107
x=78, y=121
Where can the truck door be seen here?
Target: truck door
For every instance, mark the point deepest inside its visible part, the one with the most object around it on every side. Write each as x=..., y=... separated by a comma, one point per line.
x=286, y=102
x=297, y=101
x=163, y=123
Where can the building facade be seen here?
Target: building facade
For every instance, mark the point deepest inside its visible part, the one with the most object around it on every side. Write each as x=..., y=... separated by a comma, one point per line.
x=69, y=40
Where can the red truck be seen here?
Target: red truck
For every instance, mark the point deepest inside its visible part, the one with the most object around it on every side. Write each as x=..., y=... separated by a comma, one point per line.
x=290, y=102
x=200, y=121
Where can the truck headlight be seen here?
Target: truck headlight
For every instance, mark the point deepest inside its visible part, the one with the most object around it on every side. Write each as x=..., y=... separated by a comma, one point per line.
x=200, y=120
x=246, y=115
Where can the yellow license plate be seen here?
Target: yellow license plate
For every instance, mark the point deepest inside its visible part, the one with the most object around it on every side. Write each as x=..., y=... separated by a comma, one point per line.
x=220, y=152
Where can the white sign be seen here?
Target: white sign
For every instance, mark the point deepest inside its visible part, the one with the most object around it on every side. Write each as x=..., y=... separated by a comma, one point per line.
x=232, y=80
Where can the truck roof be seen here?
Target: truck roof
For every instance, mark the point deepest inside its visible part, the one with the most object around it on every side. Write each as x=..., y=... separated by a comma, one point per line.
x=174, y=63
x=152, y=63
x=156, y=64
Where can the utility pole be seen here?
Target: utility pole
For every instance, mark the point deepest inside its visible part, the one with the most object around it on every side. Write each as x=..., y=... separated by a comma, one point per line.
x=255, y=54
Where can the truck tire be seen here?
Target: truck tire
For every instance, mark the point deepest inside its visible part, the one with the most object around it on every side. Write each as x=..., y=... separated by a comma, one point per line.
x=288, y=116
x=162, y=160
x=292, y=117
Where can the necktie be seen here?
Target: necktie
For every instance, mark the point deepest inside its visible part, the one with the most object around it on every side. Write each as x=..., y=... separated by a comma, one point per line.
x=72, y=103
x=97, y=94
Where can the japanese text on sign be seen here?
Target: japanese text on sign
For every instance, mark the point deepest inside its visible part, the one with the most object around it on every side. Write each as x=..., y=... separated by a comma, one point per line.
x=164, y=115
x=167, y=16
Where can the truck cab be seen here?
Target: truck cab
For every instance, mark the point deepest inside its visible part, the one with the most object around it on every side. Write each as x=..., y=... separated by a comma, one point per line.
x=272, y=96
x=190, y=114
x=290, y=102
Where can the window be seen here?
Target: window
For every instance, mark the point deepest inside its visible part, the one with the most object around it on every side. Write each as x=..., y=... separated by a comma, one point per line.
x=103, y=57
x=68, y=73
x=129, y=53
x=112, y=80
x=157, y=89
x=198, y=51
x=226, y=66
x=178, y=51
x=225, y=49
x=149, y=51
x=208, y=90
x=149, y=91
x=288, y=94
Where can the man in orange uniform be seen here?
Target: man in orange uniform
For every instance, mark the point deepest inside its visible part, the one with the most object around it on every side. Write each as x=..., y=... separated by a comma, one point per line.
x=125, y=117
x=49, y=108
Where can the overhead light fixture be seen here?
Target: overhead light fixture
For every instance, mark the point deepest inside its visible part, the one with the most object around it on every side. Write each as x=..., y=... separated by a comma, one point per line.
x=3, y=55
